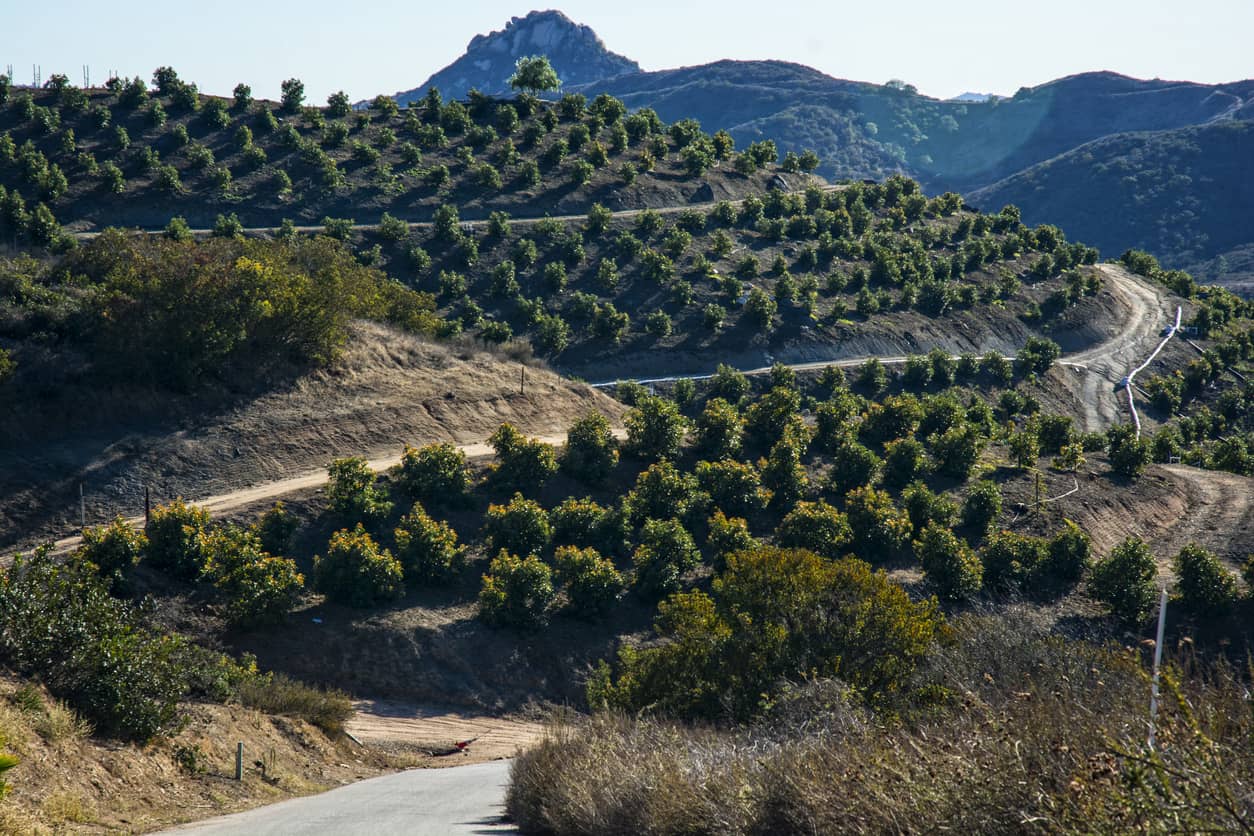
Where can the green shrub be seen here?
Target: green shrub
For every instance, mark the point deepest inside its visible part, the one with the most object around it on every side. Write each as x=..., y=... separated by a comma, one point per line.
x=776, y=615
x=521, y=462
x=853, y=465
x=1067, y=557
x=925, y=507
x=735, y=487
x=516, y=592
x=351, y=491
x=769, y=416
x=665, y=553
x=593, y=585
x=1124, y=582
x=655, y=429
x=729, y=384
x=174, y=538
x=356, y=571
x=981, y=507
x=816, y=527
x=1010, y=561
x=583, y=523
x=1129, y=455
x=948, y=563
x=881, y=531
x=258, y=587
x=956, y=451
x=904, y=461
x=591, y=452
x=719, y=429
x=435, y=474
x=783, y=473
x=521, y=527
x=727, y=535
x=661, y=491
x=427, y=548
x=112, y=549
x=58, y=622
x=275, y=528
x=1203, y=584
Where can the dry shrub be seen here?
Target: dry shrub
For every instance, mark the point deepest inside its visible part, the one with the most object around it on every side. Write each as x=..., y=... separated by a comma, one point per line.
x=1038, y=733
x=280, y=694
x=15, y=727
x=67, y=807
x=58, y=722
x=15, y=822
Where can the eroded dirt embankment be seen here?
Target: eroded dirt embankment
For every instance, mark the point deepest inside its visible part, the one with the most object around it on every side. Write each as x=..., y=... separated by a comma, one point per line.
x=388, y=390
x=1169, y=506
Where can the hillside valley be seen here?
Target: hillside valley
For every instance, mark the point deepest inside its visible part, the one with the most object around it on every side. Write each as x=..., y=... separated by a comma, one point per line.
x=734, y=465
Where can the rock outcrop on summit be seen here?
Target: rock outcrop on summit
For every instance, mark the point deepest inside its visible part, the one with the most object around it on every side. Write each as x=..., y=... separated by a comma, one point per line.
x=575, y=51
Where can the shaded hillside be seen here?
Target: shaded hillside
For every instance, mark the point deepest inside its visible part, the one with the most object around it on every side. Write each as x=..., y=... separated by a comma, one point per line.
x=1186, y=195
x=575, y=51
x=946, y=144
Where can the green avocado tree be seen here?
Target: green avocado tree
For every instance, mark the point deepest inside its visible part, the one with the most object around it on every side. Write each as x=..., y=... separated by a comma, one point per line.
x=534, y=74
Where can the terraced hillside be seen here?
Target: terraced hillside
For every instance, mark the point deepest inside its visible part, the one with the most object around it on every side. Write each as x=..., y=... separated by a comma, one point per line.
x=129, y=156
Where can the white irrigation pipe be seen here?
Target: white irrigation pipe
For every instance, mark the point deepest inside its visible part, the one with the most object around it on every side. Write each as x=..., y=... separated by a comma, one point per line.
x=1136, y=419
x=1076, y=489
x=806, y=366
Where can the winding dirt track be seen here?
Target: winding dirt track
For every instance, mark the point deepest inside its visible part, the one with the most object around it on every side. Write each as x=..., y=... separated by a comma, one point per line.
x=1105, y=364
x=243, y=498
x=1100, y=366
x=470, y=223
x=1220, y=504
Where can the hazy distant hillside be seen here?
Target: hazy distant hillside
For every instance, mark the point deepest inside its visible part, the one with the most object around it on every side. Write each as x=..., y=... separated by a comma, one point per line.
x=947, y=144
x=1186, y=195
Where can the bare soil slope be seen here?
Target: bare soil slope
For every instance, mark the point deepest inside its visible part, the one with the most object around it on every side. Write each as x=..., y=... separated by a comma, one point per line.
x=388, y=389
x=69, y=783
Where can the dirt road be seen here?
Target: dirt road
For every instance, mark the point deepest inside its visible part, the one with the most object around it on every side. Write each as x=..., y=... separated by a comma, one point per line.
x=433, y=731
x=1102, y=366
x=470, y=224
x=257, y=494
x=1220, y=514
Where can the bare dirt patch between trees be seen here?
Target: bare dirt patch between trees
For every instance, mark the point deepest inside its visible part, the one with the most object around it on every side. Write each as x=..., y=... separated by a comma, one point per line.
x=434, y=732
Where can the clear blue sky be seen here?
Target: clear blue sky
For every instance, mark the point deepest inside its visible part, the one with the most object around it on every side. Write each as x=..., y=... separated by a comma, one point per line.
x=372, y=46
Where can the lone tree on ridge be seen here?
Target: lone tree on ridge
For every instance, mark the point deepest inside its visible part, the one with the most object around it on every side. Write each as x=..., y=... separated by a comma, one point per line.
x=534, y=74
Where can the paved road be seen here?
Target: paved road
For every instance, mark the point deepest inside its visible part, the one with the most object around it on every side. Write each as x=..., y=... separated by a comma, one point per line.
x=419, y=802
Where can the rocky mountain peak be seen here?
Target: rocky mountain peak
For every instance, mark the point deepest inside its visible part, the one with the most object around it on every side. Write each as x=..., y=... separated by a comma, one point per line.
x=575, y=50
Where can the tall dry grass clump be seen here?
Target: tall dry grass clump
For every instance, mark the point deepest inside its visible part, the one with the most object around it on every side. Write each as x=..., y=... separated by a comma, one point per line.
x=1034, y=733
x=277, y=693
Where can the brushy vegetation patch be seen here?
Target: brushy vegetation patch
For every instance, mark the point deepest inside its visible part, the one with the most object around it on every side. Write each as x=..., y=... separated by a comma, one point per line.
x=63, y=625
x=1033, y=733
x=276, y=693
x=178, y=311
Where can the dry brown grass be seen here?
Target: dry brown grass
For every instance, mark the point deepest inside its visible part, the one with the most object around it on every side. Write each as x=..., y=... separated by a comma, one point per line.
x=57, y=722
x=1040, y=735
x=280, y=694
x=65, y=807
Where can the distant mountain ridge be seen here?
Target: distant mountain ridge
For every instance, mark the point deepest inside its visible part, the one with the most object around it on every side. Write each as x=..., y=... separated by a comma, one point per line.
x=985, y=147
x=574, y=50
